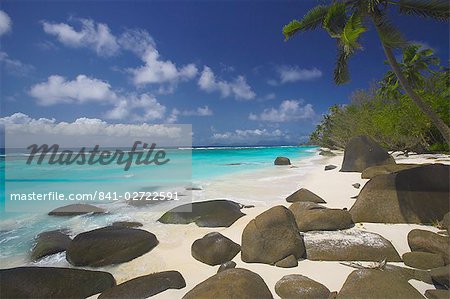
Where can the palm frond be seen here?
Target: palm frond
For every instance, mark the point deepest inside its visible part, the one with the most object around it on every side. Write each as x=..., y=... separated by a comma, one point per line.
x=436, y=9
x=389, y=34
x=350, y=35
x=335, y=19
x=310, y=21
x=341, y=72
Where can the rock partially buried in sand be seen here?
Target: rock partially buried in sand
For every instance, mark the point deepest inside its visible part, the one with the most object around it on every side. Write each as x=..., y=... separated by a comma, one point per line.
x=441, y=276
x=108, y=246
x=213, y=213
x=373, y=171
x=323, y=219
x=348, y=245
x=437, y=294
x=426, y=241
x=214, y=249
x=48, y=243
x=304, y=195
x=371, y=283
x=330, y=167
x=145, y=286
x=77, y=209
x=288, y=262
x=299, y=286
x=416, y=195
x=226, y=266
x=362, y=152
x=271, y=236
x=423, y=260
x=282, y=161
x=356, y=185
x=49, y=282
x=231, y=284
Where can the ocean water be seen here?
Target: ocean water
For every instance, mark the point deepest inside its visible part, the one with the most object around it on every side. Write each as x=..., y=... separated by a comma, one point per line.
x=18, y=229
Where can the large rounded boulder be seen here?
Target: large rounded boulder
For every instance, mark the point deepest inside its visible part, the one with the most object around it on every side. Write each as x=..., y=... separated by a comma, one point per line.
x=372, y=283
x=231, y=284
x=416, y=195
x=323, y=219
x=108, y=246
x=48, y=243
x=145, y=286
x=213, y=213
x=271, y=237
x=373, y=171
x=423, y=260
x=348, y=245
x=214, y=249
x=425, y=241
x=282, y=161
x=362, y=152
x=49, y=282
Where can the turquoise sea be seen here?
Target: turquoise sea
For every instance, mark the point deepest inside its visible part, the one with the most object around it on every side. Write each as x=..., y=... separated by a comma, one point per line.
x=18, y=229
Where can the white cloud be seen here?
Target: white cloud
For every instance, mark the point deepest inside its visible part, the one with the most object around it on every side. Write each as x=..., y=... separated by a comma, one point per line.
x=173, y=116
x=289, y=110
x=200, y=111
x=96, y=36
x=237, y=88
x=5, y=23
x=294, y=73
x=13, y=66
x=83, y=89
x=256, y=136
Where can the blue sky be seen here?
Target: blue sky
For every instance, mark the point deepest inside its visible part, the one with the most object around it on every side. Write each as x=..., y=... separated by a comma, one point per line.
x=222, y=66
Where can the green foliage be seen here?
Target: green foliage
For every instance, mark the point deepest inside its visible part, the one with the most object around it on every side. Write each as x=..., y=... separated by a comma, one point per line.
x=436, y=9
x=310, y=21
x=388, y=115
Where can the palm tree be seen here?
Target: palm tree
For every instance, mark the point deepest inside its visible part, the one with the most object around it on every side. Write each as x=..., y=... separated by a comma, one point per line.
x=346, y=20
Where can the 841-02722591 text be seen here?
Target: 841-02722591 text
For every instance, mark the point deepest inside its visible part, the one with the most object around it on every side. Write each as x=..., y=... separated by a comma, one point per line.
x=97, y=195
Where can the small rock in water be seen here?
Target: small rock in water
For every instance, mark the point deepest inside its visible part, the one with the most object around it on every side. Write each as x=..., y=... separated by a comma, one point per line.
x=77, y=209
x=330, y=167
x=226, y=266
x=48, y=243
x=356, y=185
x=288, y=262
x=193, y=188
x=282, y=161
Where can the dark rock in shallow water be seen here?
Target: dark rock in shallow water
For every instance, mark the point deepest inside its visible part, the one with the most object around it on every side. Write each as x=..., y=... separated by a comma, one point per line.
x=214, y=249
x=330, y=167
x=271, y=236
x=371, y=283
x=77, y=209
x=373, y=171
x=423, y=260
x=49, y=282
x=226, y=266
x=323, y=219
x=288, y=262
x=426, y=241
x=213, y=213
x=416, y=195
x=145, y=286
x=48, y=243
x=304, y=195
x=231, y=284
x=127, y=224
x=362, y=152
x=282, y=161
x=299, y=286
x=437, y=294
x=348, y=245
x=109, y=245
x=441, y=276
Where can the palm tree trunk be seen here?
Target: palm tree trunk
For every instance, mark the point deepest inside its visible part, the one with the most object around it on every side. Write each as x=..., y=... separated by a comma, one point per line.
x=434, y=117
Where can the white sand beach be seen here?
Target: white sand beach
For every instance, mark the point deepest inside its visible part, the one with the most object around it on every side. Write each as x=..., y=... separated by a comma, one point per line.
x=264, y=189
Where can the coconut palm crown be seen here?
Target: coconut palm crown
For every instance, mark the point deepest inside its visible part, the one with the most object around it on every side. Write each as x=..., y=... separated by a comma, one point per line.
x=347, y=20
